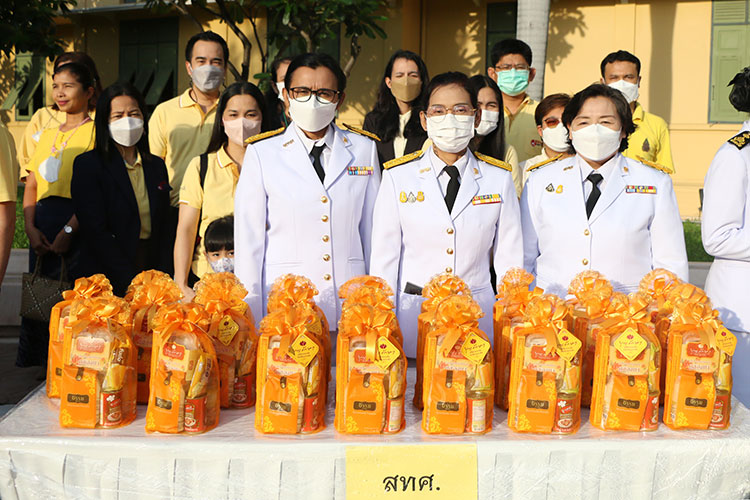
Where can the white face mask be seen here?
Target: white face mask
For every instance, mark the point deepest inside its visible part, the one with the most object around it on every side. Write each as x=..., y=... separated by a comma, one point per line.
x=312, y=116
x=452, y=134
x=280, y=88
x=596, y=142
x=50, y=168
x=223, y=265
x=126, y=131
x=556, y=138
x=207, y=77
x=629, y=90
x=239, y=129
x=488, y=123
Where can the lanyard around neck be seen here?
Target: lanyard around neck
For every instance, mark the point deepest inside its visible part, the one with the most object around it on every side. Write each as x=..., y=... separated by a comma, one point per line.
x=54, y=149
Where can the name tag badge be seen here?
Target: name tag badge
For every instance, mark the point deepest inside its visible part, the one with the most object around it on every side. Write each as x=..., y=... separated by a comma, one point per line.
x=484, y=199
x=359, y=170
x=640, y=189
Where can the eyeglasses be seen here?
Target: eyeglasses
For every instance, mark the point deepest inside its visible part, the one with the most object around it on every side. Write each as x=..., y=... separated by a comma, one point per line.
x=551, y=122
x=439, y=111
x=506, y=67
x=323, y=96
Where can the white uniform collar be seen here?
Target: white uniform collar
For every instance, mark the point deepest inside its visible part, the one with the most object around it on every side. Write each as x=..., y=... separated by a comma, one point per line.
x=605, y=170
x=438, y=165
x=308, y=143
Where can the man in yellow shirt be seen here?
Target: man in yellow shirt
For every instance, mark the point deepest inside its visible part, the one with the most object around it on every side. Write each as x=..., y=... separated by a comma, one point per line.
x=8, y=194
x=650, y=141
x=511, y=68
x=180, y=128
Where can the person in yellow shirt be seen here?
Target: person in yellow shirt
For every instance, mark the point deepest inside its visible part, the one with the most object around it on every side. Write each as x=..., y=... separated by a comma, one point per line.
x=51, y=116
x=8, y=195
x=650, y=141
x=511, y=68
x=49, y=216
x=209, y=195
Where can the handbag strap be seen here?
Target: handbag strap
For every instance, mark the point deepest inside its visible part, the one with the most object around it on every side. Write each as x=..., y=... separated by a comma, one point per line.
x=63, y=272
x=37, y=269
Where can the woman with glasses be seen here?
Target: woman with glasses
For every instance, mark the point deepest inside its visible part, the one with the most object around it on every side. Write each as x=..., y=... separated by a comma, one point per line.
x=305, y=197
x=445, y=209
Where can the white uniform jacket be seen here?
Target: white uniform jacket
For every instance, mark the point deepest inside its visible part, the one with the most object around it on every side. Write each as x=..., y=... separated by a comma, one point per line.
x=414, y=236
x=726, y=230
x=635, y=225
x=287, y=221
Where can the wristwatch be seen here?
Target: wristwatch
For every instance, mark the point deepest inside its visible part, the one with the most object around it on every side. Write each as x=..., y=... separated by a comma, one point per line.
x=68, y=229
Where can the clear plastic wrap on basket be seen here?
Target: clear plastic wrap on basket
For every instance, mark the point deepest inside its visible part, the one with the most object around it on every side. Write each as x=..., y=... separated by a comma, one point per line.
x=150, y=291
x=512, y=297
x=375, y=295
x=626, y=368
x=458, y=391
x=699, y=368
x=292, y=381
x=94, y=286
x=232, y=329
x=592, y=296
x=370, y=372
x=440, y=287
x=184, y=395
x=98, y=381
x=545, y=377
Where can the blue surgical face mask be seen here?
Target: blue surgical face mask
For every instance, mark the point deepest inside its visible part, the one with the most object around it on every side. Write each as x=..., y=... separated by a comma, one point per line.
x=513, y=81
x=223, y=265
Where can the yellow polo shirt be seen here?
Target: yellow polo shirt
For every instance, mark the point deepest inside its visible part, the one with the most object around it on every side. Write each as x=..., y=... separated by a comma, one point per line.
x=221, y=181
x=178, y=131
x=138, y=181
x=78, y=141
x=8, y=166
x=520, y=130
x=650, y=140
x=42, y=119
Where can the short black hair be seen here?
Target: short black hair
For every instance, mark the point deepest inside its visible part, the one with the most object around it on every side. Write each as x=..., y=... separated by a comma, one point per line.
x=510, y=46
x=600, y=90
x=739, y=97
x=105, y=145
x=206, y=36
x=315, y=60
x=445, y=79
x=620, y=55
x=218, y=135
x=219, y=235
x=549, y=103
x=83, y=75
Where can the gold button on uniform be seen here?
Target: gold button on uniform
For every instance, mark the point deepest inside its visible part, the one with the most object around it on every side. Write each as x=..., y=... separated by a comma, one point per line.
x=450, y=251
x=325, y=237
x=327, y=277
x=326, y=257
x=449, y=230
x=586, y=232
x=448, y=269
x=324, y=199
x=585, y=262
x=324, y=218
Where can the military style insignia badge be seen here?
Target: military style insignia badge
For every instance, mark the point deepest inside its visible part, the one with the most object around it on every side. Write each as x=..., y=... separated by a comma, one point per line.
x=550, y=188
x=567, y=168
x=640, y=189
x=559, y=189
x=402, y=197
x=411, y=197
x=485, y=199
x=359, y=170
x=420, y=196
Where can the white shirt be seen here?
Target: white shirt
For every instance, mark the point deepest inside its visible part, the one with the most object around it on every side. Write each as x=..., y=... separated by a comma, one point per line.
x=438, y=167
x=605, y=171
x=399, y=142
x=326, y=140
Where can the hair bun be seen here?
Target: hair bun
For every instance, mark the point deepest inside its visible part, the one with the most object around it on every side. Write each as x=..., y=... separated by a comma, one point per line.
x=739, y=97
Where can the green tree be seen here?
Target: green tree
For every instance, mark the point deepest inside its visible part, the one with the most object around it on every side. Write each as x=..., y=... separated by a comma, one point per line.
x=29, y=26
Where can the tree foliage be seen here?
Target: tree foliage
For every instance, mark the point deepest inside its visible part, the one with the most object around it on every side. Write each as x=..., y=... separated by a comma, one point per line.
x=29, y=26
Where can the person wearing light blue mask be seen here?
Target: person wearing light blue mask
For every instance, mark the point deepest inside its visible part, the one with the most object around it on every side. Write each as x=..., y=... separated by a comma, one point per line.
x=219, y=244
x=510, y=67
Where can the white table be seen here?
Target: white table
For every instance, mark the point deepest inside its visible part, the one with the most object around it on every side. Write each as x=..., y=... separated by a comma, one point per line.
x=39, y=459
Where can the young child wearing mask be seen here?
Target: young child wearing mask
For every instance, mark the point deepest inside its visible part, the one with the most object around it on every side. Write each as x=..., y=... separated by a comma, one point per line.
x=219, y=245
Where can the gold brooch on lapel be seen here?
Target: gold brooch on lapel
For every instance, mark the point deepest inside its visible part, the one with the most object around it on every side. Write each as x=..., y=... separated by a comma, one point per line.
x=402, y=197
x=550, y=188
x=411, y=197
x=559, y=189
x=420, y=196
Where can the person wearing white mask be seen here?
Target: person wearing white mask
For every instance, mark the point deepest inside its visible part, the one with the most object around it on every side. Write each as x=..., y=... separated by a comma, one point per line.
x=120, y=193
x=305, y=197
x=598, y=209
x=549, y=125
x=650, y=141
x=445, y=209
x=489, y=135
x=207, y=191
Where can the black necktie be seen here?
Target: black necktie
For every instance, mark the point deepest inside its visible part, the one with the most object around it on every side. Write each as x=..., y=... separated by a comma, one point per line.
x=316, y=152
x=453, y=185
x=595, y=179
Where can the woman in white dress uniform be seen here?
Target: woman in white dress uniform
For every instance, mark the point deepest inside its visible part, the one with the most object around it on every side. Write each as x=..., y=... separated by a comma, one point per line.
x=445, y=209
x=599, y=210
x=726, y=235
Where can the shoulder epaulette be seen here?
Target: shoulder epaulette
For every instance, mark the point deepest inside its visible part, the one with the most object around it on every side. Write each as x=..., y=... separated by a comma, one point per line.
x=264, y=135
x=655, y=165
x=362, y=132
x=740, y=140
x=402, y=159
x=543, y=163
x=494, y=161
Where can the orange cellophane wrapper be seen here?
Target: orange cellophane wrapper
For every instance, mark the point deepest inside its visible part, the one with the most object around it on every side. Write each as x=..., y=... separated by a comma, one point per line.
x=98, y=384
x=626, y=391
x=144, y=278
x=699, y=374
x=508, y=311
x=154, y=289
x=377, y=298
x=458, y=390
x=94, y=286
x=291, y=381
x=592, y=297
x=184, y=394
x=440, y=286
x=544, y=394
x=370, y=372
x=232, y=329
x=347, y=289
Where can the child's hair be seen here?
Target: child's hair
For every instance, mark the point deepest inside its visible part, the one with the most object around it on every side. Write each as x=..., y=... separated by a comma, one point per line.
x=220, y=235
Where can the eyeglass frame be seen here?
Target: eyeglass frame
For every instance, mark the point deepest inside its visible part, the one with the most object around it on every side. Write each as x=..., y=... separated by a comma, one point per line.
x=450, y=111
x=336, y=95
x=517, y=67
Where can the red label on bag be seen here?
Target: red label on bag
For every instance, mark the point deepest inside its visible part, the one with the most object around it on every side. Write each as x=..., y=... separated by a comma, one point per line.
x=699, y=350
